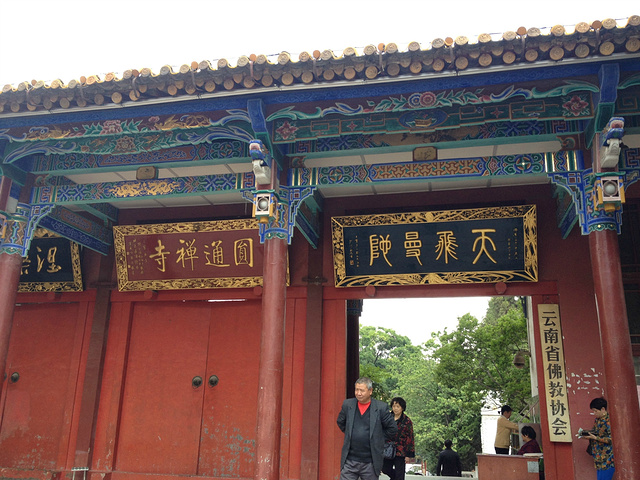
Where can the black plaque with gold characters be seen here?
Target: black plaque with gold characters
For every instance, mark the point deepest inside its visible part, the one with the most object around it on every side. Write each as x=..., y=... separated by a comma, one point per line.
x=52, y=265
x=483, y=245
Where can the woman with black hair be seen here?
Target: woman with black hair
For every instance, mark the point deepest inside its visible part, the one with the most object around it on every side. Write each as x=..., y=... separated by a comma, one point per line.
x=529, y=437
x=405, y=447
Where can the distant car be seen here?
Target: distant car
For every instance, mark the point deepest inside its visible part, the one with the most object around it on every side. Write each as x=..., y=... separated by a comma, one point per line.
x=416, y=470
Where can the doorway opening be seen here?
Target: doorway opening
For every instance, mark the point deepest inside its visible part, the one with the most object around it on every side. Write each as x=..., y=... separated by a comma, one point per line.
x=446, y=356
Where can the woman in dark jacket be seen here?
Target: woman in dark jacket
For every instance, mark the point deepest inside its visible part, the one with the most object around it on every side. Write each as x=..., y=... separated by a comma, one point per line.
x=405, y=448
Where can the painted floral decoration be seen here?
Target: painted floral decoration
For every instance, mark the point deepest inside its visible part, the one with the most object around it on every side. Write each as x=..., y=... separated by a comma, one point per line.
x=287, y=131
x=125, y=144
x=111, y=127
x=575, y=107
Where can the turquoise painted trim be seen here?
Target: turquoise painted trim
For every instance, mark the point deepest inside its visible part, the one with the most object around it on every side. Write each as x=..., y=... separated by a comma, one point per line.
x=82, y=224
x=16, y=175
x=140, y=143
x=439, y=145
x=426, y=100
x=105, y=211
x=20, y=227
x=629, y=82
x=62, y=171
x=135, y=190
x=78, y=235
x=535, y=164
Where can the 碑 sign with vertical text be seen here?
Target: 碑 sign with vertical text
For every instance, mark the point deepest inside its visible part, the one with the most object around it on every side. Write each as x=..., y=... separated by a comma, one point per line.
x=554, y=372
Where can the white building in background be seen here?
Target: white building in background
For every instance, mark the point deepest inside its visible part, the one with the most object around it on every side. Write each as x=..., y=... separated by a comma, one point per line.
x=488, y=428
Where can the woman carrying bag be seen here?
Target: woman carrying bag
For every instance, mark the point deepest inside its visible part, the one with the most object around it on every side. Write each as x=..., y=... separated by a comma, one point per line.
x=404, y=447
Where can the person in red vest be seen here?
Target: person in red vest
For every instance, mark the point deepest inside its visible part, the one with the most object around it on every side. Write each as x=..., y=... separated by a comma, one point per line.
x=366, y=423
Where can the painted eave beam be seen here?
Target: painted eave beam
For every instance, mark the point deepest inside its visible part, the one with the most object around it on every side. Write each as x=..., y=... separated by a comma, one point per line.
x=78, y=229
x=78, y=194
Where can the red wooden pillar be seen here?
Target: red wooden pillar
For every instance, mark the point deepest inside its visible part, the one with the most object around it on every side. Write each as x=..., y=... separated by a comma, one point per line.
x=621, y=394
x=354, y=309
x=10, y=266
x=271, y=360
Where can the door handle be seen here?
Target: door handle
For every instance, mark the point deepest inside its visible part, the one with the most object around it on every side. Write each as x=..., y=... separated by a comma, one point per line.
x=213, y=380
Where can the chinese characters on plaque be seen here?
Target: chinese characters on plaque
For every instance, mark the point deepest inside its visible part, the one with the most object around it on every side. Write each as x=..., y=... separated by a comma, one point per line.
x=52, y=265
x=555, y=385
x=216, y=254
x=496, y=244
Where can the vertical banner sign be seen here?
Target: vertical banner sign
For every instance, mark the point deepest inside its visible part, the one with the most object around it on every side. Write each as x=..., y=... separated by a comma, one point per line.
x=555, y=384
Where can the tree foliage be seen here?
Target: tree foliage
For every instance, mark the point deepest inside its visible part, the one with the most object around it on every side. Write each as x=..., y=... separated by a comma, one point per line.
x=478, y=355
x=439, y=412
x=380, y=349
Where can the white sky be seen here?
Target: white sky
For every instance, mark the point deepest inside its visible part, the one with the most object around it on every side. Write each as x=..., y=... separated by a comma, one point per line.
x=66, y=39
x=416, y=318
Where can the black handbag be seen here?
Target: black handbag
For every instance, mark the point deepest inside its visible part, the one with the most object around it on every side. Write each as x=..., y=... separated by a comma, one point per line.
x=389, y=451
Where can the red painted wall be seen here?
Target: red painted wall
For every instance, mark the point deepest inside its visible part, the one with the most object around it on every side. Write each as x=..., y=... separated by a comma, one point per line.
x=158, y=342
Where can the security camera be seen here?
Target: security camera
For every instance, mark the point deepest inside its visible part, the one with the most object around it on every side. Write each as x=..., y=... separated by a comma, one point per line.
x=518, y=360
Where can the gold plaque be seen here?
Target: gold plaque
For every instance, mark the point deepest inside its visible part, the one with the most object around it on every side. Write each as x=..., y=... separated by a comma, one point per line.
x=425, y=153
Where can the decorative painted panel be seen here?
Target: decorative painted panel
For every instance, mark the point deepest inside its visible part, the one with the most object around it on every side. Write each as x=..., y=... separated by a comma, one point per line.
x=491, y=245
x=78, y=161
x=216, y=254
x=111, y=191
x=538, y=163
x=52, y=265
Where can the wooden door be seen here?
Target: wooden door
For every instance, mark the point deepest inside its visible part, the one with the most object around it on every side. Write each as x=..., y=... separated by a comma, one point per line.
x=171, y=424
x=38, y=390
x=161, y=406
x=229, y=415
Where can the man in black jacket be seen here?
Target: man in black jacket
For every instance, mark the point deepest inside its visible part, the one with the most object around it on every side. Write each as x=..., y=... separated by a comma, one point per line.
x=366, y=423
x=449, y=462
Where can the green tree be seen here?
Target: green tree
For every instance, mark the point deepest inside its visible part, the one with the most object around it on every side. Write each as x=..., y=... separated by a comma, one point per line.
x=438, y=412
x=499, y=306
x=380, y=349
x=478, y=355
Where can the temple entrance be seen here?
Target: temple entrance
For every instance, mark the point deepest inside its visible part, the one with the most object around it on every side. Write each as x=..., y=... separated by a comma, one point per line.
x=190, y=381
x=398, y=370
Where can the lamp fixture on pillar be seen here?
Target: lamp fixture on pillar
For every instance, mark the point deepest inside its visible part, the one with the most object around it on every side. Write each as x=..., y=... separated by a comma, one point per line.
x=609, y=190
x=264, y=206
